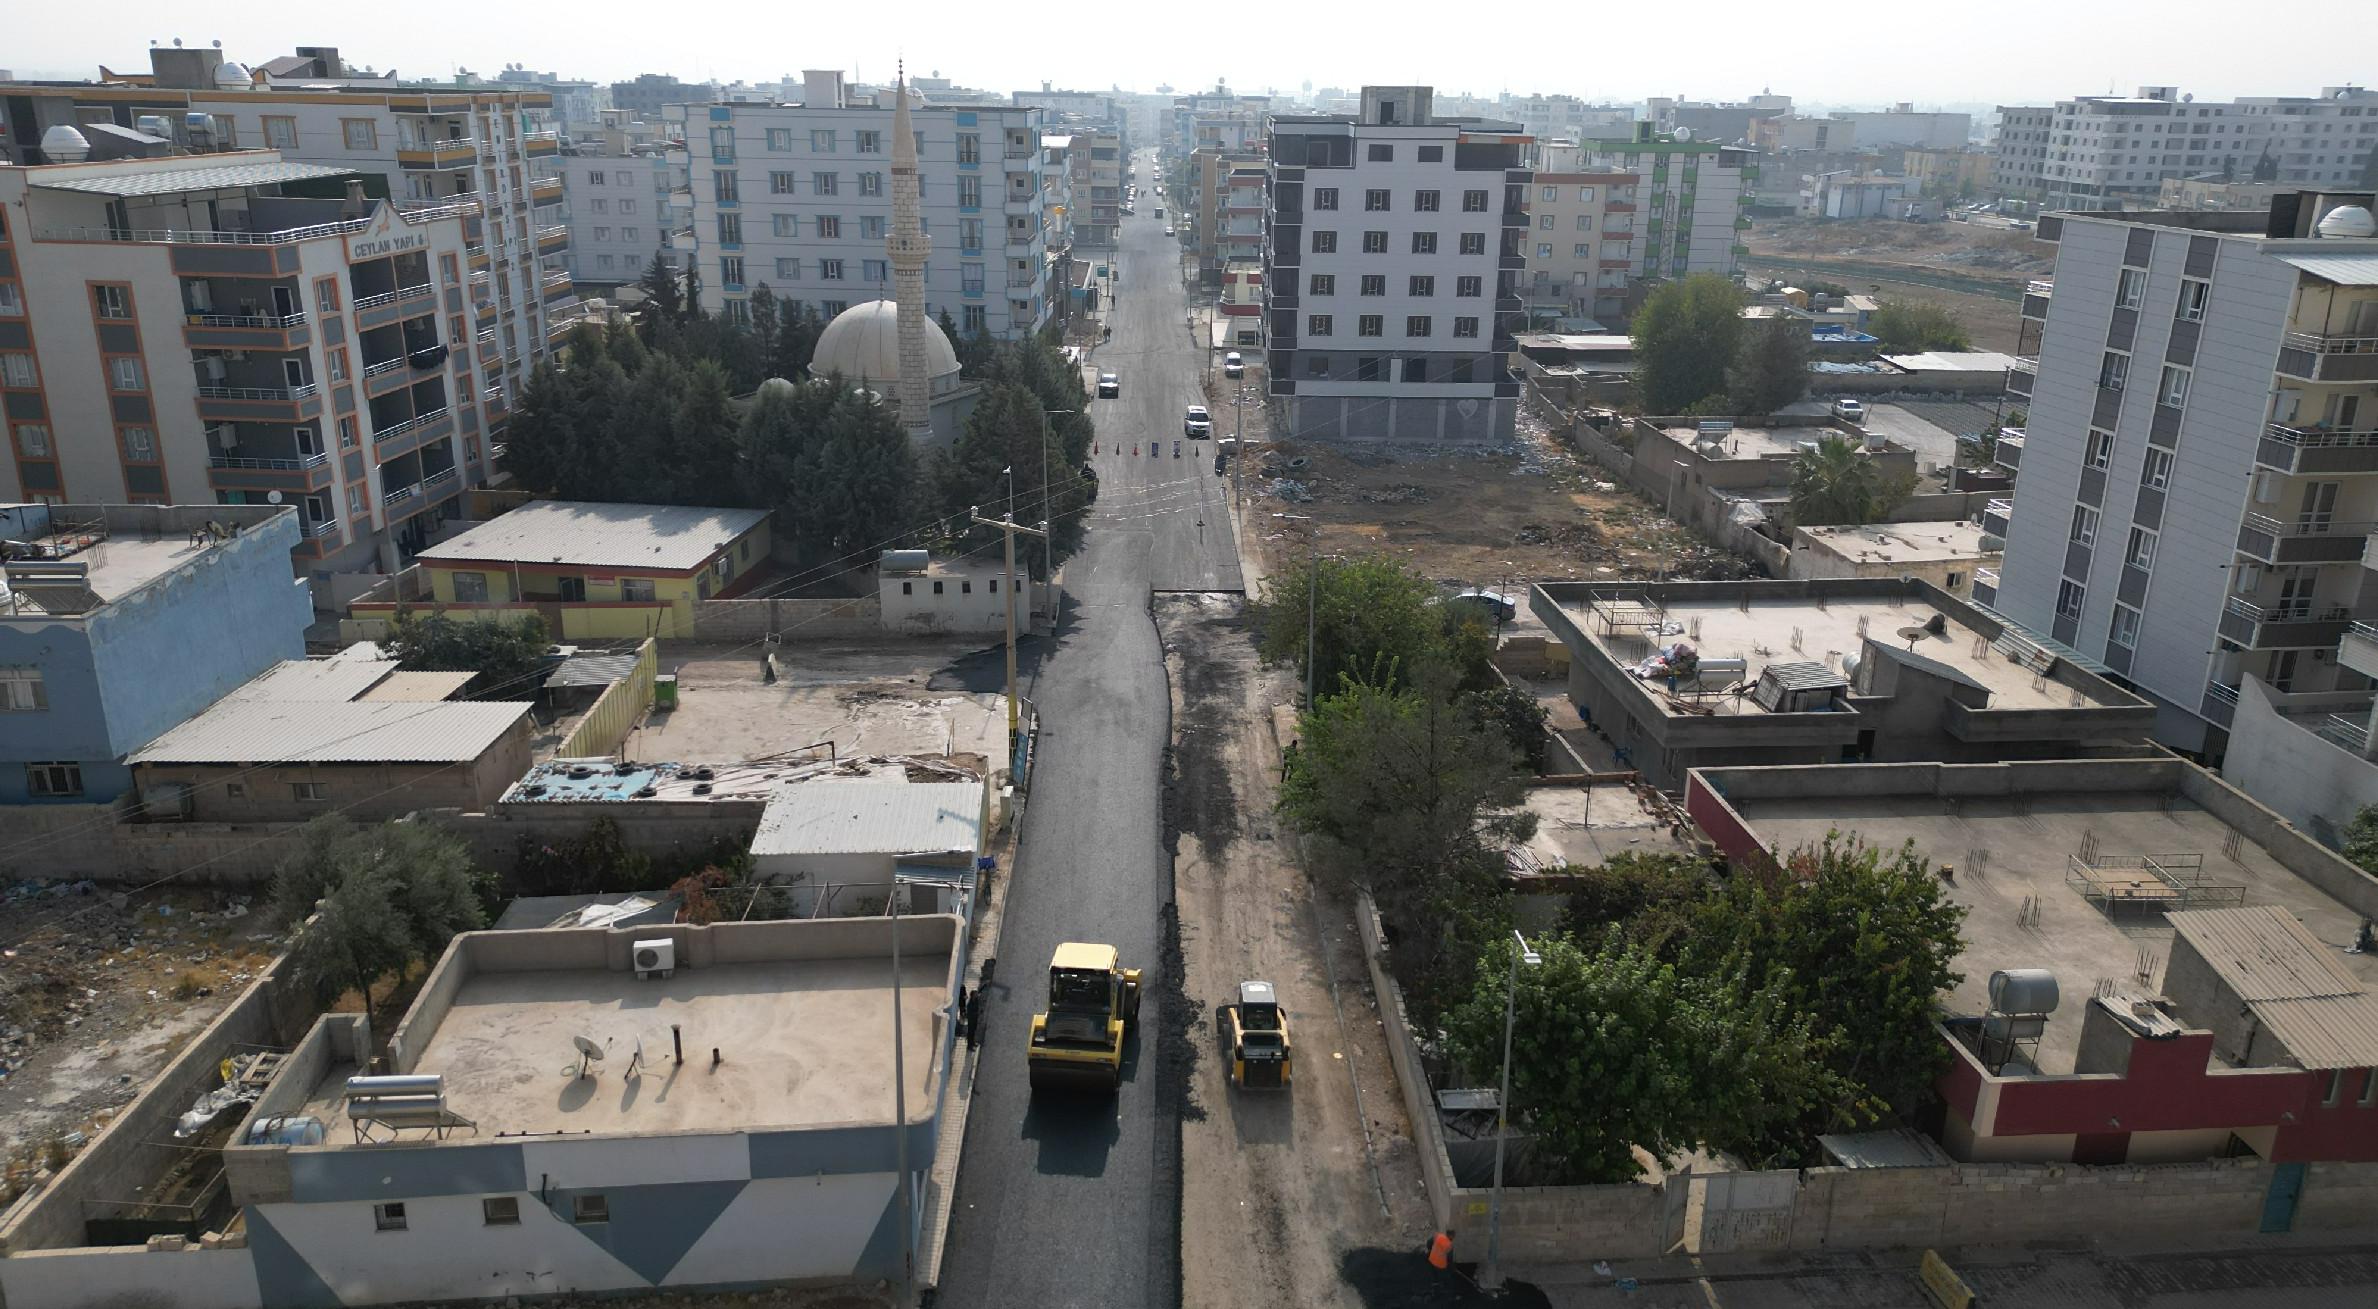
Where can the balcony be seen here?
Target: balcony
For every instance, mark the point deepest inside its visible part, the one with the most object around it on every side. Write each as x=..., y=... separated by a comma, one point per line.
x=275, y=394
x=2347, y=732
x=2220, y=703
x=2358, y=650
x=413, y=433
x=246, y=331
x=550, y=239
x=2287, y=625
x=449, y=206
x=1985, y=586
x=237, y=473
x=2318, y=449
x=2320, y=358
x=545, y=191
x=453, y=152
x=1995, y=516
x=537, y=144
x=556, y=287
x=2303, y=541
x=477, y=254
x=394, y=306
x=2036, y=297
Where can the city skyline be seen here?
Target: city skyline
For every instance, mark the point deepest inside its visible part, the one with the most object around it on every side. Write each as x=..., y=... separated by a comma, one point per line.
x=1822, y=63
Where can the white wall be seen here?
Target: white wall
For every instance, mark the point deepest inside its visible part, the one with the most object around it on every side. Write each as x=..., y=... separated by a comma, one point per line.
x=755, y=1239
x=446, y=1252
x=115, y=1277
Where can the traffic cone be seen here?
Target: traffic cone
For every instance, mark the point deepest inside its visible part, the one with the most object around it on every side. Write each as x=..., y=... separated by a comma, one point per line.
x=1440, y=1251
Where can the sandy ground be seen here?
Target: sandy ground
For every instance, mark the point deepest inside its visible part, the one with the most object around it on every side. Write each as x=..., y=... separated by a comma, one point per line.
x=1954, y=265
x=867, y=699
x=1279, y=1188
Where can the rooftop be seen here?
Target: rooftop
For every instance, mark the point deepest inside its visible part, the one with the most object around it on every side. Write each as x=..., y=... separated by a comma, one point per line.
x=796, y=1021
x=1746, y=440
x=67, y=560
x=275, y=731
x=1900, y=543
x=2034, y=848
x=664, y=538
x=2324, y=1014
x=872, y=817
x=1953, y=361
x=935, y=698
x=126, y=180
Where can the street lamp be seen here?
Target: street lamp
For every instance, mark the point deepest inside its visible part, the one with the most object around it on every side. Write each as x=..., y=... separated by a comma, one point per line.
x=1490, y=1278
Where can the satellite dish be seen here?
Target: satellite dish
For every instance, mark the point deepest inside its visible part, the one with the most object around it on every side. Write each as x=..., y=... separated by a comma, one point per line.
x=272, y=497
x=2188, y=98
x=587, y=1047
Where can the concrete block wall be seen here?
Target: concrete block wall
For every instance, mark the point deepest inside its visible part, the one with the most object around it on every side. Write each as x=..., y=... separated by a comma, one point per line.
x=788, y=619
x=1420, y=1105
x=1565, y=1224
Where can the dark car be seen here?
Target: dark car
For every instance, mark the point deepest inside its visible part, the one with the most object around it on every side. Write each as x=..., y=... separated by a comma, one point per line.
x=1109, y=386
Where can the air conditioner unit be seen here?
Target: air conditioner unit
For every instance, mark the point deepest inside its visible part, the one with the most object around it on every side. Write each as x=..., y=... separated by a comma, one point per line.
x=211, y=368
x=656, y=958
x=2266, y=488
x=225, y=439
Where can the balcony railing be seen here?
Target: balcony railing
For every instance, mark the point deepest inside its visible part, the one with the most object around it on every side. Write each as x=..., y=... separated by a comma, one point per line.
x=401, y=494
x=299, y=464
x=328, y=527
x=412, y=424
x=2351, y=733
x=2025, y=364
x=422, y=211
x=2304, y=527
x=384, y=366
x=200, y=236
x=2319, y=344
x=431, y=483
x=269, y=321
x=391, y=297
x=256, y=392
x=2040, y=286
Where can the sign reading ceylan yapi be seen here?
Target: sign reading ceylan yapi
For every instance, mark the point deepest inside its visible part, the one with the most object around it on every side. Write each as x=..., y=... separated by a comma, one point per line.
x=386, y=236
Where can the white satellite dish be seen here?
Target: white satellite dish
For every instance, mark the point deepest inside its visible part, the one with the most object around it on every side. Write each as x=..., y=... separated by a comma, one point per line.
x=588, y=1052
x=272, y=497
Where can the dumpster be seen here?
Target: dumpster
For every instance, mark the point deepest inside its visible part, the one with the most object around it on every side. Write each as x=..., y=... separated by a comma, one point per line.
x=664, y=691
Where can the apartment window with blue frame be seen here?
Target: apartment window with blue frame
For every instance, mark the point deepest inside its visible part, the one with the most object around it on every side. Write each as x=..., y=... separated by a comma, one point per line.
x=730, y=270
x=971, y=278
x=876, y=270
x=730, y=229
x=722, y=143
x=973, y=320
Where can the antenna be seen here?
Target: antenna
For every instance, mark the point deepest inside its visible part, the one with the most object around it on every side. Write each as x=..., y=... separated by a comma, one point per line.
x=588, y=1052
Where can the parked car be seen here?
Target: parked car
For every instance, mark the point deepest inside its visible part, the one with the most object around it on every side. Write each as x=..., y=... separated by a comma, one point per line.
x=1850, y=411
x=1168, y=229
x=1109, y=386
x=1233, y=365
x=1197, y=423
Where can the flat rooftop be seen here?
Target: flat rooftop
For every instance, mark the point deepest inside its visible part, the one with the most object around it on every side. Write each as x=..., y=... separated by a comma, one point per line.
x=1587, y=825
x=1901, y=543
x=801, y=1041
x=936, y=698
x=1767, y=623
x=116, y=549
x=2012, y=850
x=1751, y=442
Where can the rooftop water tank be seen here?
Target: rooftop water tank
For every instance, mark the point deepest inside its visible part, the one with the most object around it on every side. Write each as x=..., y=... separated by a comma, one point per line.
x=2348, y=221
x=231, y=75
x=64, y=145
x=905, y=561
x=2023, y=991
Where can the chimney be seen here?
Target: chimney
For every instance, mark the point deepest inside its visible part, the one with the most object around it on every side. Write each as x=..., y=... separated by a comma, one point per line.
x=357, y=204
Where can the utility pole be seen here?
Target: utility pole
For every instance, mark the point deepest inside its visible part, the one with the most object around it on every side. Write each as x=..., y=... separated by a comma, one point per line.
x=1238, y=448
x=1009, y=527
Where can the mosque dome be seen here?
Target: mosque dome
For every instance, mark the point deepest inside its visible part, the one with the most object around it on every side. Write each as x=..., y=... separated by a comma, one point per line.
x=863, y=341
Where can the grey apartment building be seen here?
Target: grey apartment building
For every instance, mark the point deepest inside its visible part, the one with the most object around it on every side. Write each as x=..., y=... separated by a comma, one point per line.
x=1393, y=254
x=2199, y=477
x=799, y=197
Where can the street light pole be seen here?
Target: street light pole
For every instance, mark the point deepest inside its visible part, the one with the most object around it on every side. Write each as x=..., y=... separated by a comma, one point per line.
x=1490, y=1277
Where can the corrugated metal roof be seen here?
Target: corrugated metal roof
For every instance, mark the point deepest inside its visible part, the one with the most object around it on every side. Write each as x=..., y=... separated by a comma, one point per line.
x=592, y=670
x=417, y=687
x=1953, y=361
x=315, y=680
x=872, y=818
x=672, y=537
x=239, y=731
x=2353, y=269
x=177, y=180
x=2323, y=1014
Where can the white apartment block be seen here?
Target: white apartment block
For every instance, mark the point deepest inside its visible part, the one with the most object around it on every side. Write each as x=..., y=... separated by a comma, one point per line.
x=2112, y=152
x=2021, y=145
x=1682, y=208
x=1903, y=128
x=1392, y=265
x=1581, y=240
x=2198, y=478
x=1565, y=117
x=193, y=328
x=799, y=197
x=626, y=184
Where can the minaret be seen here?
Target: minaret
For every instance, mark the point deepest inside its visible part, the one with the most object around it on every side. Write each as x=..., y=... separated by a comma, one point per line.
x=908, y=246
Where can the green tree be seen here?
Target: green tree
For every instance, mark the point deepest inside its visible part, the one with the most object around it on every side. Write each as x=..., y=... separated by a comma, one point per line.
x=1770, y=367
x=2359, y=841
x=1415, y=802
x=542, y=439
x=766, y=321
x=664, y=295
x=705, y=464
x=1517, y=715
x=353, y=940
x=1686, y=337
x=1907, y=326
x=855, y=482
x=1010, y=440
x=1373, y=618
x=1838, y=484
x=1649, y=899
x=371, y=899
x=1612, y=1049
x=504, y=652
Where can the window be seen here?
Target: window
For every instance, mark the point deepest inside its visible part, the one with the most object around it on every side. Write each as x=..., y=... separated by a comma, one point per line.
x=2084, y=524
x=869, y=143
x=598, y=205
x=937, y=588
x=786, y=224
x=1316, y=365
x=1424, y=243
x=730, y=229
x=1422, y=285
x=12, y=301
x=2069, y=597
x=870, y=184
x=1581, y=251
x=1585, y=196
x=361, y=133
x=470, y=588
x=1374, y=243
x=1323, y=284
x=140, y=444
x=829, y=227
x=2113, y=370
x=636, y=589
x=54, y=779
x=2131, y=289
x=1473, y=202
x=2336, y=1087
x=2369, y=1088
x=871, y=227
x=280, y=133
x=326, y=295
x=2140, y=552
x=1318, y=325
x=821, y=140
x=1465, y=328
x=2125, y=631
x=1374, y=284
x=780, y=184
x=2174, y=391
x=970, y=233
x=1432, y=154
x=2193, y=294
x=627, y=206
x=1547, y=222
x=2157, y=473
x=316, y=793
x=970, y=191
x=1417, y=325
x=2100, y=451
x=1324, y=243
x=1366, y=368
x=973, y=320
x=17, y=370
x=34, y=439
x=826, y=183
x=728, y=187
x=349, y=434
x=1469, y=286
x=1325, y=197
x=500, y=1211
x=21, y=691
x=875, y=270
x=1382, y=154
x=124, y=373
x=111, y=301
x=1375, y=202
x=1370, y=325
x=596, y=1208
x=779, y=138
x=1473, y=243
x=1425, y=202
x=788, y=270
x=829, y=270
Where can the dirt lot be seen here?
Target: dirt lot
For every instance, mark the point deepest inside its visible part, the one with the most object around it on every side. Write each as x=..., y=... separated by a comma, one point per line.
x=1973, y=271
x=97, y=991
x=1537, y=510
x=1279, y=1188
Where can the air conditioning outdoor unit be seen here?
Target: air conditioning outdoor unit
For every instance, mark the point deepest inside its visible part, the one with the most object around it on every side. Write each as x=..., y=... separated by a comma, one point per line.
x=211, y=368
x=656, y=958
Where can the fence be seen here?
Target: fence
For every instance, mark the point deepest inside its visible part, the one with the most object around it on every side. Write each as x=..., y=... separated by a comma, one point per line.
x=615, y=713
x=787, y=619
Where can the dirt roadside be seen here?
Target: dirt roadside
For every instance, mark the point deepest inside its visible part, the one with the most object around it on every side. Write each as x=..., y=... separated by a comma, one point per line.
x=1278, y=1187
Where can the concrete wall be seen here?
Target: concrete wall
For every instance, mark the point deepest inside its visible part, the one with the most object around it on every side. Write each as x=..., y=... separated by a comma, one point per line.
x=114, y=1278
x=787, y=619
x=1420, y=1102
x=2331, y=873
x=616, y=712
x=2309, y=780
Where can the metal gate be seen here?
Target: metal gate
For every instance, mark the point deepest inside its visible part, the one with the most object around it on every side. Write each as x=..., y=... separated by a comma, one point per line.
x=1745, y=1211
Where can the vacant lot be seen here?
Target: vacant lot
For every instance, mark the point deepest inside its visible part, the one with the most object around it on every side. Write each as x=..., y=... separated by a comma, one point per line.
x=1975, y=272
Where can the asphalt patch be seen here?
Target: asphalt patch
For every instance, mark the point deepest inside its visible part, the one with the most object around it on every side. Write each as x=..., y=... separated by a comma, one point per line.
x=984, y=672
x=1403, y=1279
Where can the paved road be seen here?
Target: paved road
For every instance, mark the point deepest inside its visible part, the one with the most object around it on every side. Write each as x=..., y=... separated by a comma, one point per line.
x=1076, y=1204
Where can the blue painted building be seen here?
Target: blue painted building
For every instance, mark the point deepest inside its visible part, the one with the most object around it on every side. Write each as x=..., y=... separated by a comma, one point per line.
x=121, y=621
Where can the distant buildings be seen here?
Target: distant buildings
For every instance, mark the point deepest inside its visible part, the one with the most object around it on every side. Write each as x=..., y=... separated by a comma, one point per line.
x=1393, y=261
x=626, y=180
x=645, y=97
x=120, y=621
x=1903, y=128
x=1617, y=214
x=2114, y=152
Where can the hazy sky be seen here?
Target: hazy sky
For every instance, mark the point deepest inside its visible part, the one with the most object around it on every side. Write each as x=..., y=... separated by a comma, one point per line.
x=1710, y=49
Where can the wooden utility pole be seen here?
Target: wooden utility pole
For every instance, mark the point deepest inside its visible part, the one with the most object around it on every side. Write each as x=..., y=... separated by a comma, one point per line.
x=1008, y=527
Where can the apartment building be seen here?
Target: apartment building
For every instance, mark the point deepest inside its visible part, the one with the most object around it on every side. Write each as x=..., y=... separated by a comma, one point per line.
x=2199, y=473
x=1220, y=195
x=1096, y=161
x=1581, y=245
x=1667, y=208
x=651, y=92
x=2021, y=149
x=799, y=197
x=577, y=106
x=1903, y=128
x=625, y=181
x=2109, y=152
x=1392, y=266
x=1565, y=117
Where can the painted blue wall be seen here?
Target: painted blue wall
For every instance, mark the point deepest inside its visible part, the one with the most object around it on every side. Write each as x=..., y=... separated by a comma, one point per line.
x=150, y=660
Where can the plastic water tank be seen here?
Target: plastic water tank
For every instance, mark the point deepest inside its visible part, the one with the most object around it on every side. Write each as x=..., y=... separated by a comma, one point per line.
x=906, y=561
x=64, y=145
x=2347, y=222
x=2023, y=991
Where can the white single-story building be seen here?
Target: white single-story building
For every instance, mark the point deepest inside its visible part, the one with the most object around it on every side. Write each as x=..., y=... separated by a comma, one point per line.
x=839, y=845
